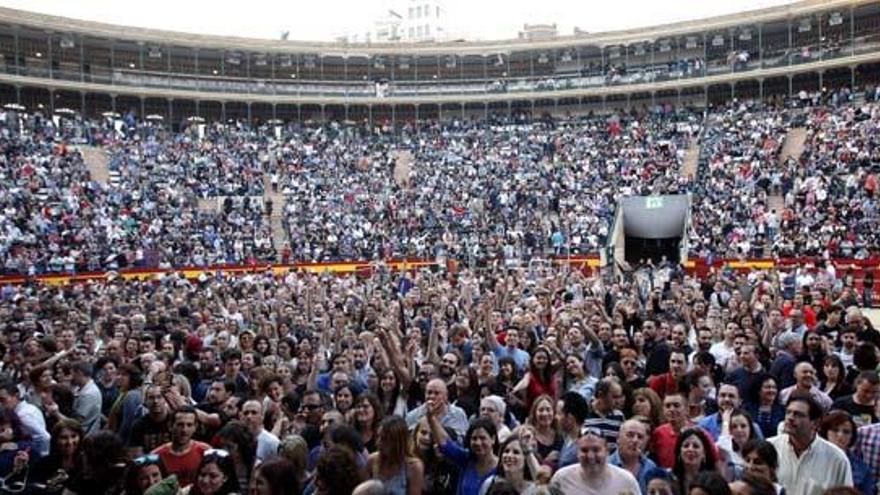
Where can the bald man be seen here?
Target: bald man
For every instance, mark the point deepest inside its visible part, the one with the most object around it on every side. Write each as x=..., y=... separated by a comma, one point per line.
x=805, y=383
x=450, y=415
x=630, y=454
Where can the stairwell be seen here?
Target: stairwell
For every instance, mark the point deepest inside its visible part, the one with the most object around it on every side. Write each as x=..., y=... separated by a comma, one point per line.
x=208, y=205
x=98, y=163
x=793, y=145
x=279, y=236
x=402, y=168
x=691, y=159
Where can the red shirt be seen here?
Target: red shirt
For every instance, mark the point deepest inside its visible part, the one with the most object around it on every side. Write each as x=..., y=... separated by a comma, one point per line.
x=663, y=384
x=185, y=465
x=662, y=444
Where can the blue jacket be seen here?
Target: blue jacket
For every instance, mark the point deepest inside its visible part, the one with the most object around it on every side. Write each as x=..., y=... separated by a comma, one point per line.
x=646, y=466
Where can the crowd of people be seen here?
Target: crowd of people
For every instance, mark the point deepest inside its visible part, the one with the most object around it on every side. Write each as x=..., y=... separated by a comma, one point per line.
x=500, y=188
x=487, y=381
x=831, y=203
x=474, y=189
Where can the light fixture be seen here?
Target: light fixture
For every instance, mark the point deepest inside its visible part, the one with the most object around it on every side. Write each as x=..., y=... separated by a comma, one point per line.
x=131, y=65
x=566, y=56
x=38, y=55
x=66, y=42
x=745, y=35
x=214, y=72
x=835, y=19
x=691, y=42
x=718, y=40
x=804, y=26
x=293, y=76
x=154, y=52
x=542, y=58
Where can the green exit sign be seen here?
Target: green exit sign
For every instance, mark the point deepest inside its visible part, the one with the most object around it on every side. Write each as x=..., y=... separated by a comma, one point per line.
x=652, y=202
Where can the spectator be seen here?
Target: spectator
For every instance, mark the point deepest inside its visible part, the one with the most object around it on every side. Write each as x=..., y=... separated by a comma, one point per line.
x=593, y=474
x=808, y=464
x=215, y=475
x=839, y=428
x=630, y=453
x=393, y=464
x=32, y=421
x=183, y=455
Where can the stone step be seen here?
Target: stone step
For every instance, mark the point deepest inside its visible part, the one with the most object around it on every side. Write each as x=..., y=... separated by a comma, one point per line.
x=97, y=161
x=691, y=159
x=793, y=146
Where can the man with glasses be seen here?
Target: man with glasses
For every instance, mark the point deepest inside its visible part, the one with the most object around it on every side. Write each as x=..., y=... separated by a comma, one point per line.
x=593, y=474
x=808, y=464
x=311, y=410
x=182, y=455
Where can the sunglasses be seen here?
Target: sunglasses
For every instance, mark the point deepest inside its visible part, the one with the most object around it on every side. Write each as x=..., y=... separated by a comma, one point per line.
x=221, y=453
x=596, y=432
x=146, y=459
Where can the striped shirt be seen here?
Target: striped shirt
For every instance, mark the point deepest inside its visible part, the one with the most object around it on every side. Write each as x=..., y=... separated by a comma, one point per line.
x=608, y=424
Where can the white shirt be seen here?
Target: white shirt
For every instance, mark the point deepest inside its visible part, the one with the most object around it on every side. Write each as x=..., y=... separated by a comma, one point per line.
x=722, y=353
x=34, y=424
x=823, y=465
x=267, y=445
x=615, y=481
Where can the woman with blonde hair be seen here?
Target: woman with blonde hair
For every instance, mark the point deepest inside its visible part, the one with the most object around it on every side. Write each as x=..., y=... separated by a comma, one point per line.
x=394, y=464
x=295, y=450
x=542, y=418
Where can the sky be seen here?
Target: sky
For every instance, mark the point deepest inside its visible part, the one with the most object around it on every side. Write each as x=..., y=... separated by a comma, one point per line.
x=325, y=20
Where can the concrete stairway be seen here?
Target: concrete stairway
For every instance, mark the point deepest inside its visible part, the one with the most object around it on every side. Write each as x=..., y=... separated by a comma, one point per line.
x=97, y=161
x=793, y=146
x=774, y=202
x=402, y=168
x=208, y=205
x=691, y=159
x=279, y=237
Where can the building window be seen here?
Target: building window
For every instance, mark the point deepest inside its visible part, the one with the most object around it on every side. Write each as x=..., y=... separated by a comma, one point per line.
x=419, y=12
x=427, y=30
x=411, y=33
x=438, y=12
x=419, y=31
x=411, y=13
x=427, y=11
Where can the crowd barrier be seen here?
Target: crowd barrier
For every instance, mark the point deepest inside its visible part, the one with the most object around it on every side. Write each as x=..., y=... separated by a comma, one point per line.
x=588, y=264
